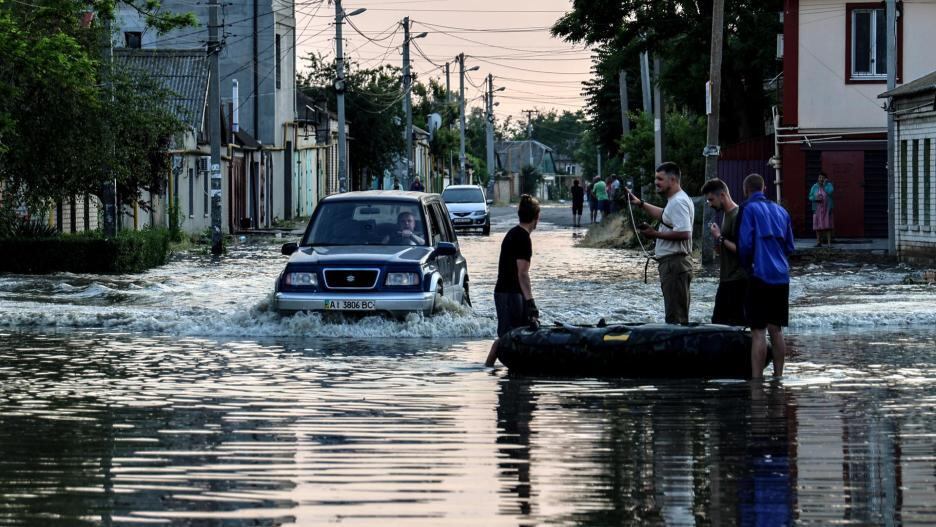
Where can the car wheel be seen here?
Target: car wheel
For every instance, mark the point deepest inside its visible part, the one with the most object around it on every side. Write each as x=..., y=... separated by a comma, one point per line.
x=466, y=300
x=487, y=229
x=437, y=301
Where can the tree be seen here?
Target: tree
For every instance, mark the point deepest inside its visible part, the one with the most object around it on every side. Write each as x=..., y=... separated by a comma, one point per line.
x=678, y=31
x=55, y=109
x=373, y=97
x=684, y=139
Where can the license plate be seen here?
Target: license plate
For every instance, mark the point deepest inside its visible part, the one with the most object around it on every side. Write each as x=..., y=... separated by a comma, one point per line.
x=350, y=305
x=462, y=220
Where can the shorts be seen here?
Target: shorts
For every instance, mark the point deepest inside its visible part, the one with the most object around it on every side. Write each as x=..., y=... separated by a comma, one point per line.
x=577, y=208
x=604, y=206
x=729, y=303
x=767, y=304
x=511, y=312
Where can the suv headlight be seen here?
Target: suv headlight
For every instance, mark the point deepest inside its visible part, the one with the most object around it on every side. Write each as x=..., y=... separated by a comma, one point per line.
x=402, y=279
x=302, y=279
x=479, y=213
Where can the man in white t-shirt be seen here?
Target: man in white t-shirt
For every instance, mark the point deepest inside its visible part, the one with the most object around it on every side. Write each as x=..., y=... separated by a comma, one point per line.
x=674, y=241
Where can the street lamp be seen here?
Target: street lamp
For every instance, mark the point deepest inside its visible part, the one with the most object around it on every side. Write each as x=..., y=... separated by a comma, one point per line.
x=407, y=101
x=339, y=85
x=461, y=111
x=489, y=128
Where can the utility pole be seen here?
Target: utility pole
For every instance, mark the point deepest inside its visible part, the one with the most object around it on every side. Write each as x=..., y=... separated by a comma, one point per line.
x=339, y=86
x=622, y=88
x=109, y=184
x=713, y=97
x=407, y=105
x=448, y=90
x=658, y=113
x=489, y=136
x=461, y=112
x=645, y=82
x=891, y=18
x=214, y=117
x=408, y=101
x=598, y=151
x=530, y=130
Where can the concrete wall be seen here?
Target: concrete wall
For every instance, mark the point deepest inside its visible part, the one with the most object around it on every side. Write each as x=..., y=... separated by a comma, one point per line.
x=826, y=101
x=916, y=200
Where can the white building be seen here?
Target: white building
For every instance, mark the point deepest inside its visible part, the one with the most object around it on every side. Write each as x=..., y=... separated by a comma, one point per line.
x=834, y=67
x=914, y=109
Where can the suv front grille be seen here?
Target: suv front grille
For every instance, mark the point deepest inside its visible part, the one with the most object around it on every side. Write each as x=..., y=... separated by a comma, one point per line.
x=351, y=278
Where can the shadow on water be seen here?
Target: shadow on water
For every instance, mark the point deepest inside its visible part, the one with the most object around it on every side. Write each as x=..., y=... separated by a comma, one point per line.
x=675, y=454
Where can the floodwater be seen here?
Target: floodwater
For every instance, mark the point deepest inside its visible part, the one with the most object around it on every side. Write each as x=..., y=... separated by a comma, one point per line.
x=176, y=397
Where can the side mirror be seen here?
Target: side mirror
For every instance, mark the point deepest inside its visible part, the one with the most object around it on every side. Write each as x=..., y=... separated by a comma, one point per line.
x=444, y=249
x=490, y=202
x=289, y=248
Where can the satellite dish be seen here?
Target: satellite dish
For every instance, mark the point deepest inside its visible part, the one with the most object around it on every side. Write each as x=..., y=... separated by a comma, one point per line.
x=433, y=122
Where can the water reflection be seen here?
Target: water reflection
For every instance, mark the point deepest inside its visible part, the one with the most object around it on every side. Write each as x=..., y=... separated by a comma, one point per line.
x=621, y=453
x=102, y=428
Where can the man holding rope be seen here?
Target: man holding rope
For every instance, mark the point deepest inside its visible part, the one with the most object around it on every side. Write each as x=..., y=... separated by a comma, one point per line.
x=674, y=240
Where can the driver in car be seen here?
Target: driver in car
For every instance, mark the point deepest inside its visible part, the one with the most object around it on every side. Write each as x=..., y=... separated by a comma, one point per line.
x=406, y=223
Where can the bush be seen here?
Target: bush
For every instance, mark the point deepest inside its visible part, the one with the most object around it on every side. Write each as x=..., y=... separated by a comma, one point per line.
x=530, y=180
x=128, y=252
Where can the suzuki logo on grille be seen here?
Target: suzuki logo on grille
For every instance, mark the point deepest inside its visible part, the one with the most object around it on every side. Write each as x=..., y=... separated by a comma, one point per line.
x=350, y=278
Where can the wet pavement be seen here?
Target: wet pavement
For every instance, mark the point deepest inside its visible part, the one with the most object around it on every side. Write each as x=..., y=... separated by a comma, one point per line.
x=176, y=397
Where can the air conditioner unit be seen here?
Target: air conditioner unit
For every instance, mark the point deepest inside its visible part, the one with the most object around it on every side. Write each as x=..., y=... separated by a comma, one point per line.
x=203, y=164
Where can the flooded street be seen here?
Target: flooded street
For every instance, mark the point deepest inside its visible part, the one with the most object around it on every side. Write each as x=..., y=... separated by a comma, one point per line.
x=176, y=397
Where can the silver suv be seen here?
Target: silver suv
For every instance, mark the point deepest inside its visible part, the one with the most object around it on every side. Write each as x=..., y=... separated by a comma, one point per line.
x=378, y=251
x=467, y=207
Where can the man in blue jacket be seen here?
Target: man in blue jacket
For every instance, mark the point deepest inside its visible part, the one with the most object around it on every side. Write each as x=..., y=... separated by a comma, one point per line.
x=765, y=241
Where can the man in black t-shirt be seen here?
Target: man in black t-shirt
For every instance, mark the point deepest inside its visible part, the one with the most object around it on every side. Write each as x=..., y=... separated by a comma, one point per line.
x=578, y=201
x=513, y=294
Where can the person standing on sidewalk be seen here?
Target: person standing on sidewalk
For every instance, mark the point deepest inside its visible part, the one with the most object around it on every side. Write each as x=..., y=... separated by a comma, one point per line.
x=674, y=240
x=513, y=292
x=821, y=197
x=765, y=242
x=578, y=201
x=732, y=282
x=600, y=188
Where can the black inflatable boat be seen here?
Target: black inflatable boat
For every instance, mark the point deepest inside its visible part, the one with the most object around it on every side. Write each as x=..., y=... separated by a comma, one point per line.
x=629, y=350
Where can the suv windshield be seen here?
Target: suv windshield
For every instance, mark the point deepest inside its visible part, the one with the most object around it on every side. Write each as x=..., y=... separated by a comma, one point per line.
x=463, y=195
x=367, y=223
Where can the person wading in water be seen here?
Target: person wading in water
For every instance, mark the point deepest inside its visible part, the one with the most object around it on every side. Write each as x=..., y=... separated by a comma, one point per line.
x=513, y=294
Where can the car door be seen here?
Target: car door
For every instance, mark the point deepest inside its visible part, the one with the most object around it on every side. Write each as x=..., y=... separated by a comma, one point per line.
x=442, y=232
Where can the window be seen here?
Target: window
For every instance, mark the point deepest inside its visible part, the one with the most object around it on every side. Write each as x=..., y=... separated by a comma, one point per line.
x=133, y=39
x=915, y=182
x=279, y=65
x=903, y=182
x=866, y=46
x=191, y=193
x=927, y=173
x=206, y=207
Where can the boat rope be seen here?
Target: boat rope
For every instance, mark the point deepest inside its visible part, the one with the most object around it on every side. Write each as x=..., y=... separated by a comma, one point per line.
x=630, y=209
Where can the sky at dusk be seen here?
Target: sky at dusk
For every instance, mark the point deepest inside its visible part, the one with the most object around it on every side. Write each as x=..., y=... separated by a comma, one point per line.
x=509, y=39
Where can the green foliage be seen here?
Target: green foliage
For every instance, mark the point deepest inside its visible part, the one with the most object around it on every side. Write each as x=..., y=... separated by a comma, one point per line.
x=128, y=252
x=60, y=110
x=374, y=112
x=679, y=32
x=684, y=138
x=24, y=228
x=175, y=221
x=530, y=180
